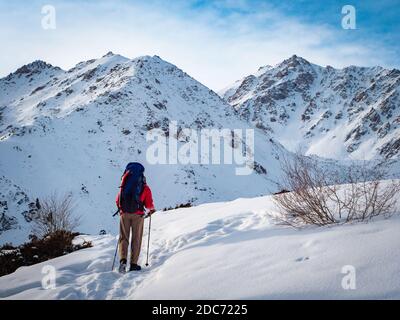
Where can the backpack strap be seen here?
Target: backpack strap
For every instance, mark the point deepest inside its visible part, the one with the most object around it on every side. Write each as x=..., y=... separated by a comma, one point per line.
x=141, y=185
x=123, y=179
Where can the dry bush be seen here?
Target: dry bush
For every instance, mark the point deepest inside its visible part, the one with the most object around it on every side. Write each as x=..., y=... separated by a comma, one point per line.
x=178, y=206
x=322, y=195
x=55, y=214
x=38, y=250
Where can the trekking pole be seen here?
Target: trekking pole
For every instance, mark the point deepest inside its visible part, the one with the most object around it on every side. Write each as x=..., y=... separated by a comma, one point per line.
x=148, y=243
x=115, y=254
x=116, y=249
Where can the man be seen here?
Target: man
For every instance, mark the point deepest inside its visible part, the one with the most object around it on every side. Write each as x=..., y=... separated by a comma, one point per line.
x=132, y=208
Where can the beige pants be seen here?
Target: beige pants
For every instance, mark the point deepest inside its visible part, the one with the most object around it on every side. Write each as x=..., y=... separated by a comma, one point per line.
x=130, y=223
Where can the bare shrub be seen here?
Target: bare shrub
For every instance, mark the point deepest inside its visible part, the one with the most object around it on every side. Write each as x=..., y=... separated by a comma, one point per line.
x=322, y=195
x=55, y=214
x=38, y=250
x=178, y=206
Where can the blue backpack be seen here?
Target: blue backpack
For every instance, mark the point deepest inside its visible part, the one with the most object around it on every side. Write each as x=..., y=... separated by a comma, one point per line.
x=132, y=184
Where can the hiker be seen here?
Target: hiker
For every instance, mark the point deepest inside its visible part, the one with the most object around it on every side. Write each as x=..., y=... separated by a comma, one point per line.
x=133, y=198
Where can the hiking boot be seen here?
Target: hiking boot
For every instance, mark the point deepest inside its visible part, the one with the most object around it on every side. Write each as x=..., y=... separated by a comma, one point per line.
x=122, y=266
x=135, y=267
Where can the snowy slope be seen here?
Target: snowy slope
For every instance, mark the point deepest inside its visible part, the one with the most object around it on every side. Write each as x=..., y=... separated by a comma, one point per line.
x=350, y=113
x=229, y=250
x=74, y=131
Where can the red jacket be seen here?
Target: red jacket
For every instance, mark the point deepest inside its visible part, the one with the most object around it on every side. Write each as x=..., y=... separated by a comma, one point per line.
x=145, y=197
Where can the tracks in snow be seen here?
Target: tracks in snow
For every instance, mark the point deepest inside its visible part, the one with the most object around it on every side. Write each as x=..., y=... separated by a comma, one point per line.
x=98, y=282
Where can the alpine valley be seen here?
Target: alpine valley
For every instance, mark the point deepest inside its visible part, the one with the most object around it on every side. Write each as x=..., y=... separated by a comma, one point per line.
x=74, y=131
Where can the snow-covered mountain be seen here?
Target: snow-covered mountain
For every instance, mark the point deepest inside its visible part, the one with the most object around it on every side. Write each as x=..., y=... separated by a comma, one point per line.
x=74, y=131
x=351, y=113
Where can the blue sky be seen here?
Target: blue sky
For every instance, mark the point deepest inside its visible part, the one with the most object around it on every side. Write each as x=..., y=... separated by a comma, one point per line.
x=216, y=42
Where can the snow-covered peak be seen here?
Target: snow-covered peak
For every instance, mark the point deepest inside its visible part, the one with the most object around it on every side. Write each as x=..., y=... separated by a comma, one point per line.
x=25, y=79
x=154, y=65
x=83, y=125
x=32, y=68
x=31, y=71
x=338, y=113
x=109, y=54
x=294, y=61
x=109, y=59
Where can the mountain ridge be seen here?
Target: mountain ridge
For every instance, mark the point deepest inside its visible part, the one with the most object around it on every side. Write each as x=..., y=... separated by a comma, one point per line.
x=74, y=131
x=354, y=109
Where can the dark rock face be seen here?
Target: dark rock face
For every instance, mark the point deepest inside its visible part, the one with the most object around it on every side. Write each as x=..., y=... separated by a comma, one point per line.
x=391, y=148
x=30, y=69
x=7, y=223
x=14, y=203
